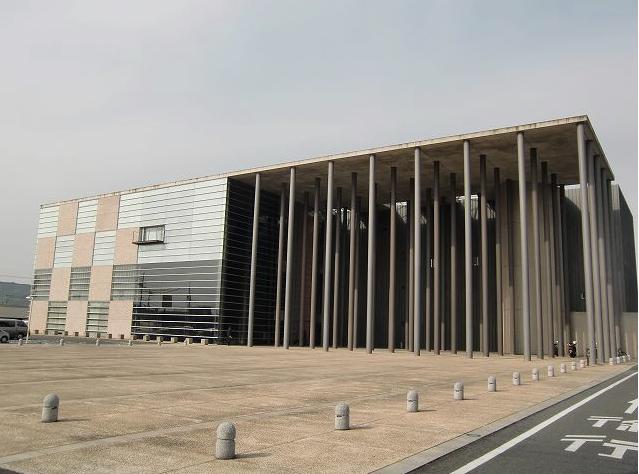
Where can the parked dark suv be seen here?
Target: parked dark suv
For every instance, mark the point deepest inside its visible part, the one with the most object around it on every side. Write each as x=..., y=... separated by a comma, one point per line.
x=15, y=327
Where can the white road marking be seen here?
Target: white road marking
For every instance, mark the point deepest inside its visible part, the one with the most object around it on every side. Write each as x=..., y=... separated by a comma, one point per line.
x=633, y=406
x=518, y=439
x=577, y=441
x=620, y=448
x=602, y=420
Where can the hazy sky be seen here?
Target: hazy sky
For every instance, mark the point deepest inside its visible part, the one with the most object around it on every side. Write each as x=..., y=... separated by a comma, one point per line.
x=102, y=96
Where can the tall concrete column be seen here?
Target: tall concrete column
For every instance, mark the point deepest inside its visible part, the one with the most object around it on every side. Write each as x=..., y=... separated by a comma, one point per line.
x=300, y=337
x=351, y=260
x=523, y=225
x=549, y=313
x=313, y=310
x=609, y=265
x=256, y=225
x=583, y=151
x=410, y=213
x=484, y=255
x=429, y=266
x=436, y=261
x=392, y=263
x=596, y=285
x=498, y=283
x=417, y=254
x=468, y=255
x=510, y=236
x=358, y=242
x=370, y=281
x=564, y=265
x=336, y=271
x=328, y=252
x=290, y=247
x=604, y=348
x=536, y=252
x=453, y=263
x=555, y=256
x=280, y=251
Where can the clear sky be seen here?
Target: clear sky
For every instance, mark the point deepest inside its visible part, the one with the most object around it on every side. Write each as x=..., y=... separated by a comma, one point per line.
x=102, y=96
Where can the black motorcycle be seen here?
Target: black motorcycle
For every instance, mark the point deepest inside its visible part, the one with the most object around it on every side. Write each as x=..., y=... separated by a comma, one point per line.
x=572, y=349
x=555, y=349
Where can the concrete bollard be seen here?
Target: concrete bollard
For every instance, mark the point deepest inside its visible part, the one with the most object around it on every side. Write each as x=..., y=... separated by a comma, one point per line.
x=516, y=378
x=342, y=416
x=562, y=368
x=492, y=383
x=617, y=360
x=611, y=361
x=582, y=364
x=225, y=444
x=50, y=406
x=573, y=366
x=61, y=342
x=20, y=342
x=623, y=359
x=97, y=342
x=145, y=338
x=204, y=342
x=551, y=371
x=130, y=342
x=173, y=339
x=458, y=391
x=159, y=341
x=187, y=341
x=412, y=401
x=535, y=374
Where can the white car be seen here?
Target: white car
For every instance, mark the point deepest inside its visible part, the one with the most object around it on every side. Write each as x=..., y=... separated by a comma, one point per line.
x=4, y=336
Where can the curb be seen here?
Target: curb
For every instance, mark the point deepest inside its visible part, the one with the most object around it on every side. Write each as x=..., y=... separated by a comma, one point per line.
x=431, y=454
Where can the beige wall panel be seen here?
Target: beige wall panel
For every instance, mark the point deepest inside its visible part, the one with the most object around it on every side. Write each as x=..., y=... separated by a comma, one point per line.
x=76, y=317
x=100, y=286
x=126, y=252
x=120, y=313
x=45, y=251
x=67, y=218
x=60, y=284
x=107, y=216
x=83, y=250
x=38, y=319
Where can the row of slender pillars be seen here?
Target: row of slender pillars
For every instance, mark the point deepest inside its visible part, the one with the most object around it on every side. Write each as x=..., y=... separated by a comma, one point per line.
x=597, y=238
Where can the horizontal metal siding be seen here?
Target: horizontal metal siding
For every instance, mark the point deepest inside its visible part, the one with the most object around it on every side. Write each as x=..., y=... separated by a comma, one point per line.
x=87, y=214
x=104, y=248
x=193, y=216
x=63, y=251
x=48, y=221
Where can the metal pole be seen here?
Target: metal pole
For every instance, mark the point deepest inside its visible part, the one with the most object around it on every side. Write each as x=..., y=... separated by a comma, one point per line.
x=523, y=224
x=256, y=225
x=417, y=255
x=336, y=278
x=468, y=252
x=300, y=338
x=280, y=250
x=604, y=348
x=583, y=151
x=370, y=282
x=549, y=315
x=484, y=255
x=453, y=264
x=328, y=251
x=392, y=264
x=498, y=282
x=536, y=252
x=290, y=247
x=316, y=211
x=596, y=284
x=351, y=260
x=436, y=261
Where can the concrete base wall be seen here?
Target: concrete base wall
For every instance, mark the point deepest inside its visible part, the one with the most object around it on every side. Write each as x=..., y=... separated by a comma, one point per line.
x=627, y=332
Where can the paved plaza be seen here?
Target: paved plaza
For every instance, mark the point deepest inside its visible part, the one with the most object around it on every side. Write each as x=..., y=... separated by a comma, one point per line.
x=150, y=408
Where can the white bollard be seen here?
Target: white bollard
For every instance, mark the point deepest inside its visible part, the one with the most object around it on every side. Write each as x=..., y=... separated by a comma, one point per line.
x=551, y=371
x=20, y=342
x=516, y=378
x=582, y=364
x=50, y=406
x=573, y=365
x=159, y=341
x=412, y=401
x=458, y=391
x=225, y=444
x=562, y=368
x=492, y=383
x=61, y=342
x=535, y=374
x=130, y=342
x=97, y=342
x=611, y=361
x=342, y=417
x=618, y=360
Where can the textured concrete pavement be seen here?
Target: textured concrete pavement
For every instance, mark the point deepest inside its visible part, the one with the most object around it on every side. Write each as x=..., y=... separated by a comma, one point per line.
x=151, y=408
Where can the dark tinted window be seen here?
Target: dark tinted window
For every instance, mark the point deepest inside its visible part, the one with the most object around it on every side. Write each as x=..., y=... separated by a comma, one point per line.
x=7, y=324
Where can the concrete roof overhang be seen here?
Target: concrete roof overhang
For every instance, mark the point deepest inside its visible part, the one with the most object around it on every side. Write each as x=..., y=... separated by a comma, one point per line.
x=555, y=141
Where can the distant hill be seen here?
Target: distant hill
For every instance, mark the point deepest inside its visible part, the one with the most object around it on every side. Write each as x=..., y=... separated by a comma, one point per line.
x=14, y=294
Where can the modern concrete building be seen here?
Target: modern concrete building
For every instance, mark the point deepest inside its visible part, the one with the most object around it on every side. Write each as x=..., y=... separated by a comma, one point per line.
x=474, y=242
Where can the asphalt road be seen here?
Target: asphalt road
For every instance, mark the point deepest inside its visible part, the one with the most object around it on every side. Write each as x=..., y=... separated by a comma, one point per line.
x=600, y=436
